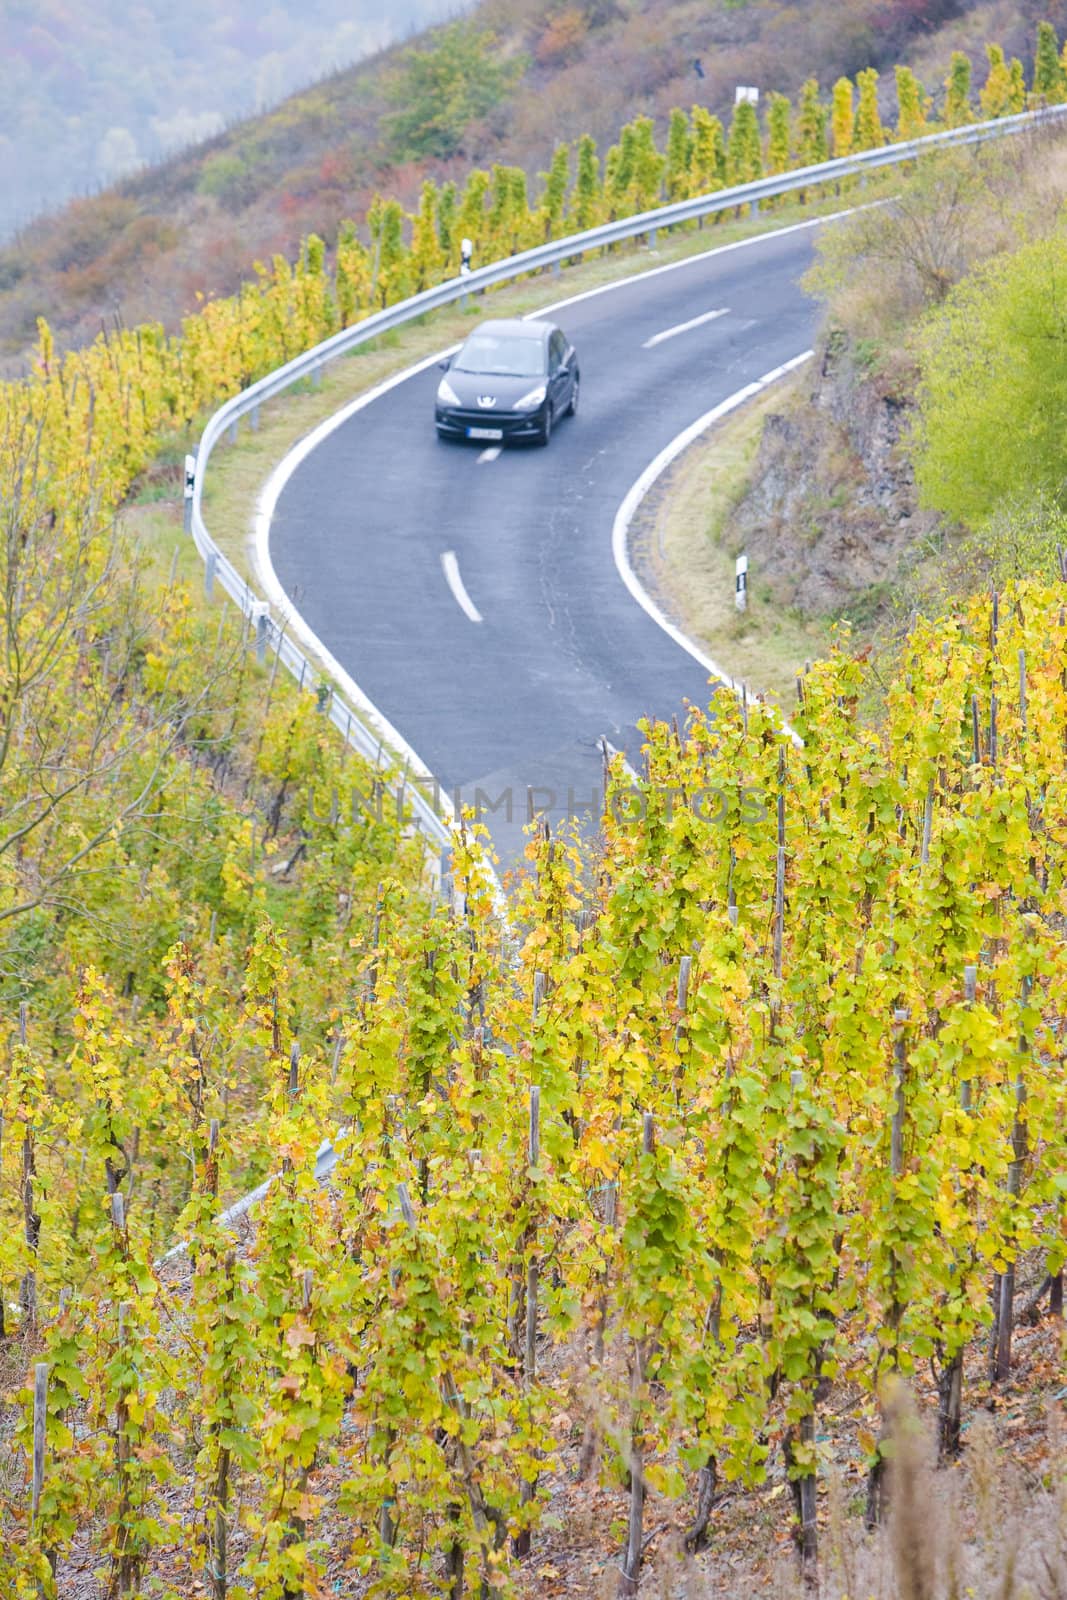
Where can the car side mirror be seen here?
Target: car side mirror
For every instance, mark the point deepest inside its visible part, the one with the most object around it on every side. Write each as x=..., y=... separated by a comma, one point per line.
x=445, y=364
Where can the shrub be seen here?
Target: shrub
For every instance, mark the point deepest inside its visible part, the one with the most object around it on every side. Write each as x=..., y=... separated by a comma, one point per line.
x=442, y=90
x=994, y=386
x=563, y=37
x=227, y=178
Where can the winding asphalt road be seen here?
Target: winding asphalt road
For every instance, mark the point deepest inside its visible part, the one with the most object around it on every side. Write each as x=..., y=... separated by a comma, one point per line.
x=563, y=655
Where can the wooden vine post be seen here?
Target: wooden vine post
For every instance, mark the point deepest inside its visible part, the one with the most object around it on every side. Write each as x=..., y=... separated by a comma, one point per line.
x=950, y=1377
x=31, y=1220
x=40, y=1426
x=876, y=1478
x=631, y=1567
x=1005, y=1302
x=528, y=1492
x=220, y=1515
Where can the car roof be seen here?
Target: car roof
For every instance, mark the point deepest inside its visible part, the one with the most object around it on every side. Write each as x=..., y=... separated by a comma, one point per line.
x=515, y=326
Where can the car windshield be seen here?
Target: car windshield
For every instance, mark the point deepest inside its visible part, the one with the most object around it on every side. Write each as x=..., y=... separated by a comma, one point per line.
x=504, y=355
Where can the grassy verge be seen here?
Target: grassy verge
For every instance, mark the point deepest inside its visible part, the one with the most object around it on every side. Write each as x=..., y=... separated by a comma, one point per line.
x=682, y=541
x=238, y=471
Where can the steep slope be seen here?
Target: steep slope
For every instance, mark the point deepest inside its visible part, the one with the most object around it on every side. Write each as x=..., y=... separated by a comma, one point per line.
x=90, y=92
x=194, y=225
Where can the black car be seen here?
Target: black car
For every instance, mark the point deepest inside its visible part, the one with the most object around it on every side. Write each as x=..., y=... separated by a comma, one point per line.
x=511, y=380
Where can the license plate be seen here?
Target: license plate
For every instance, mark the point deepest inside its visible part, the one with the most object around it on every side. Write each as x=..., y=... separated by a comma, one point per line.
x=485, y=433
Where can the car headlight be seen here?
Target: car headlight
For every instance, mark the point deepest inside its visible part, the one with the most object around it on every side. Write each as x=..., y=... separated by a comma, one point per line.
x=531, y=401
x=446, y=395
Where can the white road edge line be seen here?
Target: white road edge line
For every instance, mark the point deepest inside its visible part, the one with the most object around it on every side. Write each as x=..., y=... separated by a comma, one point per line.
x=683, y=327
x=613, y=751
x=271, y=492
x=689, y=261
x=620, y=533
x=456, y=584
x=263, y=567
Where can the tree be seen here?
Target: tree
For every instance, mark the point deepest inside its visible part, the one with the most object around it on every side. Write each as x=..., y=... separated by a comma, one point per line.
x=392, y=260
x=708, y=155
x=870, y=135
x=744, y=152
x=352, y=274
x=779, y=134
x=447, y=205
x=812, y=117
x=842, y=120
x=316, y=307
x=679, y=156
x=1049, y=81
x=554, y=200
x=996, y=95
x=1018, y=86
x=442, y=89
x=519, y=214
x=958, y=109
x=471, y=222
x=618, y=171
x=427, y=257
x=649, y=165
x=912, y=105
x=84, y=766
x=587, y=191
x=509, y=211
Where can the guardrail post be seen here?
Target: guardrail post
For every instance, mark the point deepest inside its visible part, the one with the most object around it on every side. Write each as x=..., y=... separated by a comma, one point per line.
x=253, y=419
x=211, y=562
x=234, y=425
x=652, y=238
x=316, y=376
x=754, y=208
x=188, y=484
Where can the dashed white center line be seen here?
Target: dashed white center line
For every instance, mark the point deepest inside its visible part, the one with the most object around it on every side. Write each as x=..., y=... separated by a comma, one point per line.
x=455, y=583
x=489, y=455
x=683, y=327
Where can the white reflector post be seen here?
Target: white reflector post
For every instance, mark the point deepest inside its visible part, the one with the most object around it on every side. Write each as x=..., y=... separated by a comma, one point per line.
x=741, y=583
x=187, y=489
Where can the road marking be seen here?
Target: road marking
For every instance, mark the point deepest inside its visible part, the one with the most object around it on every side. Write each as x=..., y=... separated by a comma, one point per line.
x=683, y=327
x=489, y=455
x=547, y=312
x=259, y=551
x=620, y=533
x=455, y=583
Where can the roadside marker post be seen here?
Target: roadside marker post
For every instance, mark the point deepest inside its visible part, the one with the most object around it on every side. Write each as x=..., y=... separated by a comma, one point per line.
x=741, y=583
x=188, y=484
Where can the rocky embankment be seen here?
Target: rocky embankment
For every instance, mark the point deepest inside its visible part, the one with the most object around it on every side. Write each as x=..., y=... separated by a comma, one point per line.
x=831, y=517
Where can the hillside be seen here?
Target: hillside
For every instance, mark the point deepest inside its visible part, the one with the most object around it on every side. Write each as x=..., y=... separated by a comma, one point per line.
x=640, y=1200
x=530, y=74
x=86, y=98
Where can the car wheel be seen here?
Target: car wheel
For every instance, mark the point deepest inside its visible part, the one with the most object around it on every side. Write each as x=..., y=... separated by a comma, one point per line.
x=546, y=425
x=572, y=409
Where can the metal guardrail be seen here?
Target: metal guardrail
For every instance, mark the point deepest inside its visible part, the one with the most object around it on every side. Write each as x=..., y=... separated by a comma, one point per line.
x=271, y=634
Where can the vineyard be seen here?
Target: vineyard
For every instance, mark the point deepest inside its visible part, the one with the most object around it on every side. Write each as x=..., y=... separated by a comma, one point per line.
x=760, y=1093
x=757, y=1094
